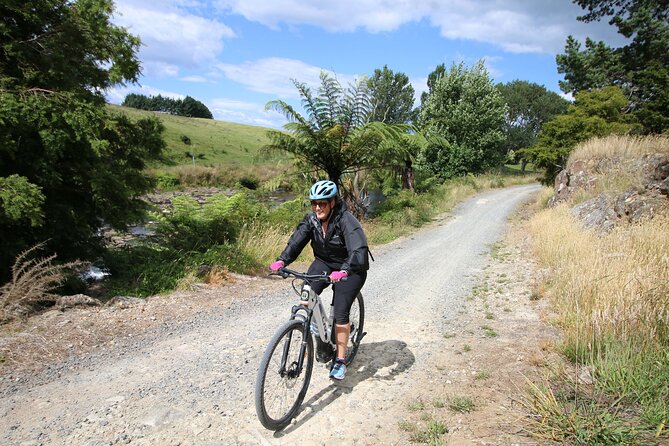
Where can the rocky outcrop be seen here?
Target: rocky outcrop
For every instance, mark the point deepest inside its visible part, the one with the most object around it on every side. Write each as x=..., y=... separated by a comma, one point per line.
x=647, y=197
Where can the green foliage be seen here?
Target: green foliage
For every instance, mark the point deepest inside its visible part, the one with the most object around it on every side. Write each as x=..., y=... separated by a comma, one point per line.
x=166, y=181
x=462, y=117
x=392, y=97
x=407, y=207
x=635, y=376
x=336, y=136
x=640, y=67
x=181, y=107
x=249, y=182
x=60, y=45
x=224, y=144
x=190, y=236
x=529, y=106
x=57, y=57
x=597, y=113
x=191, y=227
x=288, y=214
x=21, y=200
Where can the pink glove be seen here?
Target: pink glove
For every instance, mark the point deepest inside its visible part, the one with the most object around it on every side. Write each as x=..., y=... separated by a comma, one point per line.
x=336, y=276
x=276, y=265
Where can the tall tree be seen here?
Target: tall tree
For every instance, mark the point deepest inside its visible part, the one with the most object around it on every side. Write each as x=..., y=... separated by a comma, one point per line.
x=432, y=78
x=66, y=164
x=392, y=97
x=594, y=113
x=464, y=114
x=640, y=67
x=529, y=106
x=336, y=136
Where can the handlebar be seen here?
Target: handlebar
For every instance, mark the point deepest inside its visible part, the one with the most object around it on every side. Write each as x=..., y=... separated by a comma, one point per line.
x=285, y=273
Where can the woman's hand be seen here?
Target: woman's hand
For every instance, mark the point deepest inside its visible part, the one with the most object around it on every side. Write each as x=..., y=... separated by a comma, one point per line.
x=276, y=265
x=336, y=276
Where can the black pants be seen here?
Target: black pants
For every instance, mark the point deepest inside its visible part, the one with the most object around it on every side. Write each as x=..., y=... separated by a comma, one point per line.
x=344, y=292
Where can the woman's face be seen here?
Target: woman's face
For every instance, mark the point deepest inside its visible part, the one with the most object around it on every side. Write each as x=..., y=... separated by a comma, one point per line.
x=322, y=208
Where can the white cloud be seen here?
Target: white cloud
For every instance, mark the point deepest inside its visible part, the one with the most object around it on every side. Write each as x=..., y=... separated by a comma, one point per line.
x=159, y=69
x=518, y=26
x=171, y=36
x=347, y=15
x=244, y=112
x=274, y=75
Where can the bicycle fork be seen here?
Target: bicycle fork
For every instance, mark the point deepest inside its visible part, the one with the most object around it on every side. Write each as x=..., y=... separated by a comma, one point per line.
x=295, y=367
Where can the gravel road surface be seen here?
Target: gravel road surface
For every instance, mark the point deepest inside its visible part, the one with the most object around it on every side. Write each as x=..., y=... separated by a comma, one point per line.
x=192, y=382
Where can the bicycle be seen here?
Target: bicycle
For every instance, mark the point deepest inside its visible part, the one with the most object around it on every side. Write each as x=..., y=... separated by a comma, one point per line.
x=284, y=373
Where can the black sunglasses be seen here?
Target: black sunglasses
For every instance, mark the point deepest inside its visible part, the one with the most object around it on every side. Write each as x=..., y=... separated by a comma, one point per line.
x=319, y=204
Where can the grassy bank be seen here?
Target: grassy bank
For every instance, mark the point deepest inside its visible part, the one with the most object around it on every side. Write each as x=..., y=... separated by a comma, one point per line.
x=611, y=295
x=206, y=152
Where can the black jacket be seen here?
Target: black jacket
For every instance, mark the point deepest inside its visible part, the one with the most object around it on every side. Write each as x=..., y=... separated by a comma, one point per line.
x=344, y=247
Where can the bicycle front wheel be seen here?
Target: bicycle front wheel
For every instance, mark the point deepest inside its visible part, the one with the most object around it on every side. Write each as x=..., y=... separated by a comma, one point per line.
x=281, y=383
x=357, y=319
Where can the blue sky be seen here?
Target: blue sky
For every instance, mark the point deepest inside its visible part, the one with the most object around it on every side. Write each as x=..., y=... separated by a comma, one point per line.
x=235, y=55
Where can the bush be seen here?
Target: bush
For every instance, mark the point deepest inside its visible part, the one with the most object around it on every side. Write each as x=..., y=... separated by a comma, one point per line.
x=144, y=270
x=288, y=214
x=249, y=182
x=166, y=181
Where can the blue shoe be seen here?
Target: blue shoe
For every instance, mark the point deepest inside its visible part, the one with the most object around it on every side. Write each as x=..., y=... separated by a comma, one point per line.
x=339, y=370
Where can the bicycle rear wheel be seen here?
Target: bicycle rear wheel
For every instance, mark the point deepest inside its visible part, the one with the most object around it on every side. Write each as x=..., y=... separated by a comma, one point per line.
x=281, y=385
x=357, y=320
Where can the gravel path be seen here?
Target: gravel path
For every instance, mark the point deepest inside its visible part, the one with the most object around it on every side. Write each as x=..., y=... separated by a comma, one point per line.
x=192, y=382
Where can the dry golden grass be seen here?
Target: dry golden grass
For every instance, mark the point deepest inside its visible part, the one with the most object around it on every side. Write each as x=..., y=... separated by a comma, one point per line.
x=612, y=286
x=264, y=243
x=615, y=160
x=219, y=275
x=227, y=175
x=619, y=147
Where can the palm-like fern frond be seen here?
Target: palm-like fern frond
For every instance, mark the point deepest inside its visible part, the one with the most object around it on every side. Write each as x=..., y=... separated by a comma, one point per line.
x=336, y=136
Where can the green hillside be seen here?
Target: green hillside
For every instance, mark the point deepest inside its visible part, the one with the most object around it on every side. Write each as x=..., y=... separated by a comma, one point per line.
x=217, y=143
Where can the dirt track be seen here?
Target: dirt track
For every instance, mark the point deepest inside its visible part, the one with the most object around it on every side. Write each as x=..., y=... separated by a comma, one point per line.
x=187, y=375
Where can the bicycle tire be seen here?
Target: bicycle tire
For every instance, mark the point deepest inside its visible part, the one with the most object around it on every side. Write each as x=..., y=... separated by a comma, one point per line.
x=357, y=320
x=278, y=397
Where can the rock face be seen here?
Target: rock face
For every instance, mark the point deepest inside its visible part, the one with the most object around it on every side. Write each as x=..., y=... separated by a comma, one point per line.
x=647, y=197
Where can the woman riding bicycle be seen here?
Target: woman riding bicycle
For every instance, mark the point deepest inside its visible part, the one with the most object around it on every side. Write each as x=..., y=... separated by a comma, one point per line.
x=340, y=249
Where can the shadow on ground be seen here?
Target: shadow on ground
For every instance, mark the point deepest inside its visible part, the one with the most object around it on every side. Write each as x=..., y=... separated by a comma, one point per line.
x=381, y=361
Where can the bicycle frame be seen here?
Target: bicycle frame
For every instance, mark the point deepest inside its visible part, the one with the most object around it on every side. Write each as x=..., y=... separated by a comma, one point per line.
x=313, y=309
x=315, y=312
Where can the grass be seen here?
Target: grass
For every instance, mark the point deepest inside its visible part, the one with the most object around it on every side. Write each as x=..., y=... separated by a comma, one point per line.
x=226, y=153
x=461, y=404
x=611, y=295
x=416, y=406
x=430, y=433
x=482, y=375
x=617, y=147
x=489, y=331
x=616, y=162
x=221, y=143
